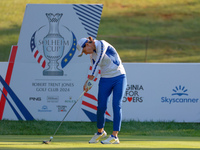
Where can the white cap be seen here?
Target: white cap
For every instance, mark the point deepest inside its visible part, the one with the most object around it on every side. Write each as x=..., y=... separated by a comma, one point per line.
x=80, y=45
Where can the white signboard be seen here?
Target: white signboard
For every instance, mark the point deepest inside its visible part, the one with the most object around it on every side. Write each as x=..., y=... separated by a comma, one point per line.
x=162, y=92
x=48, y=76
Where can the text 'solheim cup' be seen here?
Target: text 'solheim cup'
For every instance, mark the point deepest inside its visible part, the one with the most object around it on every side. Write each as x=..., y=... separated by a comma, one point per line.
x=53, y=45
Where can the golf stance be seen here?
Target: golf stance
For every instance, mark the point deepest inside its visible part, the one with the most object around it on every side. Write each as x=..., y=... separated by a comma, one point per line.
x=103, y=56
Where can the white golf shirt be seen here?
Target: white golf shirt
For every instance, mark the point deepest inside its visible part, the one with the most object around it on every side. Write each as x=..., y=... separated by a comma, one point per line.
x=106, y=59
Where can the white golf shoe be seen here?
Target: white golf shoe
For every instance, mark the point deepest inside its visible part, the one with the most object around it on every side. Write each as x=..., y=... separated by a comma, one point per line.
x=111, y=140
x=97, y=137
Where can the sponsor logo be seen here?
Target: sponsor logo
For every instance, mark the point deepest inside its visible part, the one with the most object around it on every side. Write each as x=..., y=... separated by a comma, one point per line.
x=52, y=99
x=62, y=108
x=180, y=91
x=133, y=94
x=44, y=109
x=179, y=96
x=35, y=98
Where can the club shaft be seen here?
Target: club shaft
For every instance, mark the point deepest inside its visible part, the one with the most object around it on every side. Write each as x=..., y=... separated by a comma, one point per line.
x=68, y=113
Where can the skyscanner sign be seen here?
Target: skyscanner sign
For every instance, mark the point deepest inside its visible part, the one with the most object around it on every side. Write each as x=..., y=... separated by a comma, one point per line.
x=179, y=95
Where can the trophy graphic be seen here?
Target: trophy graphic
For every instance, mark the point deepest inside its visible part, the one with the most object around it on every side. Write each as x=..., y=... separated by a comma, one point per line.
x=53, y=45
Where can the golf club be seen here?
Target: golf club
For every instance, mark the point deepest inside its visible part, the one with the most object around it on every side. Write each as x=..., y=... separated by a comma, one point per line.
x=47, y=142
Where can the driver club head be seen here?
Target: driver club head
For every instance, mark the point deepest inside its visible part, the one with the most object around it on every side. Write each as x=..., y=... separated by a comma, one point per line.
x=45, y=142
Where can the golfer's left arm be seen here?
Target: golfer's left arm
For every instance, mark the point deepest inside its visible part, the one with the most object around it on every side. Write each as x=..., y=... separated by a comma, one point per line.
x=95, y=68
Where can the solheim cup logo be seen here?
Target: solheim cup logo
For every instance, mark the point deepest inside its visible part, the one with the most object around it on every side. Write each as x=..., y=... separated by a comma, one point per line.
x=53, y=45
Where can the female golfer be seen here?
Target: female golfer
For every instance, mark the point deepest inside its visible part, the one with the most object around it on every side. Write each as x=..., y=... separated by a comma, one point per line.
x=113, y=80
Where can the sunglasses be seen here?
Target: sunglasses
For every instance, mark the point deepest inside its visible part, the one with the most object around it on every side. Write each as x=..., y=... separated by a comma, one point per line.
x=87, y=42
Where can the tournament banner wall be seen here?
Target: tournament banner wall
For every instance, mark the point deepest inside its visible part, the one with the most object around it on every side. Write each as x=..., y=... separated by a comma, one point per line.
x=46, y=76
x=155, y=92
x=162, y=92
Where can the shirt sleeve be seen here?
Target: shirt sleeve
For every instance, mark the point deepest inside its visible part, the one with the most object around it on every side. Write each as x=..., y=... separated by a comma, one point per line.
x=96, y=74
x=100, y=53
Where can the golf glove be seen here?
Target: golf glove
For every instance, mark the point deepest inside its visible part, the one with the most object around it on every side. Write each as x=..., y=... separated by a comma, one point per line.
x=88, y=85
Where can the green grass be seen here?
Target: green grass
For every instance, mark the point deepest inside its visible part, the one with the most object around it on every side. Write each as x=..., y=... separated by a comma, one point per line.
x=88, y=128
x=21, y=135
x=77, y=142
x=172, y=28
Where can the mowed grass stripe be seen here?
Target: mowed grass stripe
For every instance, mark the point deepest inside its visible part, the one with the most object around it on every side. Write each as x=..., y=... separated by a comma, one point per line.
x=173, y=25
x=19, y=142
